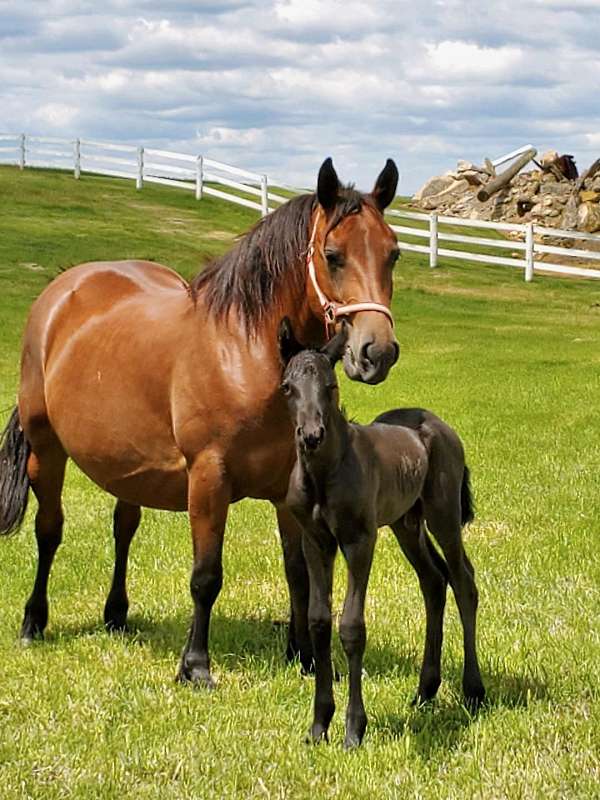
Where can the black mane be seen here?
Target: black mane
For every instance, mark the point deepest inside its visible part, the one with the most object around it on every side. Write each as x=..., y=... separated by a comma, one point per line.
x=249, y=277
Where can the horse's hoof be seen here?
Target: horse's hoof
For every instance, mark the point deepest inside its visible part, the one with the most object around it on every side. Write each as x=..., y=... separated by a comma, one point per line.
x=198, y=678
x=28, y=641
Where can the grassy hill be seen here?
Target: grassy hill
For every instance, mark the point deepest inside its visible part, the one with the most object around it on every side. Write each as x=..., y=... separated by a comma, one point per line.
x=515, y=368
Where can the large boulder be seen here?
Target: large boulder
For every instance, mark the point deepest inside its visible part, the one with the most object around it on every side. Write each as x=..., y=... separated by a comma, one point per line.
x=446, y=197
x=588, y=217
x=434, y=186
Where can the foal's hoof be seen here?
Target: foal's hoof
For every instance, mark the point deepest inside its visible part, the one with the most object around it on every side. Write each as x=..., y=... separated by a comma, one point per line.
x=475, y=699
x=317, y=735
x=30, y=633
x=26, y=640
x=352, y=741
x=196, y=677
x=116, y=626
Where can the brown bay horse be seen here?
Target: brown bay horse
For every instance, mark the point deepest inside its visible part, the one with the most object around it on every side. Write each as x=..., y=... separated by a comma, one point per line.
x=407, y=470
x=166, y=394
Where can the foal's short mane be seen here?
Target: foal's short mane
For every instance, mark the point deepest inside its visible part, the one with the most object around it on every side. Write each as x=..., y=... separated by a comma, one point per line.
x=249, y=278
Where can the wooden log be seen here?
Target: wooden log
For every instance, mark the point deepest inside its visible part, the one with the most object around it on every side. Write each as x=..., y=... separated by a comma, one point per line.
x=589, y=173
x=505, y=177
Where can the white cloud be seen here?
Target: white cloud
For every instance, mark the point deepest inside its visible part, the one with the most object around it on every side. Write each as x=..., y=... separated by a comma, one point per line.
x=57, y=115
x=468, y=60
x=278, y=85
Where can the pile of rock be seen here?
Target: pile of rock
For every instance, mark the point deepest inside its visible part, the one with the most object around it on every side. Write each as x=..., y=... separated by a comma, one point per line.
x=545, y=196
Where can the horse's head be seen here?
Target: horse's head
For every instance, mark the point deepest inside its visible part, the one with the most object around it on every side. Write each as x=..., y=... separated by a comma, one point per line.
x=351, y=256
x=309, y=385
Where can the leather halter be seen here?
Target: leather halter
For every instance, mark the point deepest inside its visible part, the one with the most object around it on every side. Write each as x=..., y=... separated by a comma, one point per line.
x=332, y=310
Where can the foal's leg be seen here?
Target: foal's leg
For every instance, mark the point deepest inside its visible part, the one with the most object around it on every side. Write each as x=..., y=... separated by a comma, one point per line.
x=320, y=556
x=447, y=531
x=126, y=519
x=359, y=556
x=208, y=501
x=46, y=472
x=419, y=551
x=296, y=572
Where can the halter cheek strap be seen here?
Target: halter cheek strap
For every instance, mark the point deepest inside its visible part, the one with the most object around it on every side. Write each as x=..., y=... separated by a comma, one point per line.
x=332, y=310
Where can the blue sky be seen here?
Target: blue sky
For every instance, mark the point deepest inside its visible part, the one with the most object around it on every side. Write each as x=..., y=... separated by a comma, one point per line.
x=278, y=85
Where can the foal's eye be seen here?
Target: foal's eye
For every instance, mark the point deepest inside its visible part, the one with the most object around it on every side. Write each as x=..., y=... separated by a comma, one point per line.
x=286, y=388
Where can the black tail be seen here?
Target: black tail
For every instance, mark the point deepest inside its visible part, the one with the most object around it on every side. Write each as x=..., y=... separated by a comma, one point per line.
x=14, y=481
x=467, y=506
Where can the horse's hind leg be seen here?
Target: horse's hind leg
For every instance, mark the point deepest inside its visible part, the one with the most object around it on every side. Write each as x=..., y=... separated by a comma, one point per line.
x=447, y=531
x=126, y=519
x=46, y=470
x=432, y=574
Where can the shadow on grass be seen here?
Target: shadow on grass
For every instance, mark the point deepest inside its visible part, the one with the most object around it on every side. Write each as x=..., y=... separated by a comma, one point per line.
x=441, y=725
x=236, y=641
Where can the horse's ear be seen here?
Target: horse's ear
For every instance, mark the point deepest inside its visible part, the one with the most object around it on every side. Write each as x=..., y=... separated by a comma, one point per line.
x=386, y=184
x=288, y=344
x=328, y=185
x=334, y=349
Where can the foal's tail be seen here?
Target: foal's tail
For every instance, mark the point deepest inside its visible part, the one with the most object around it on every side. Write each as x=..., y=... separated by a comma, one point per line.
x=467, y=506
x=14, y=481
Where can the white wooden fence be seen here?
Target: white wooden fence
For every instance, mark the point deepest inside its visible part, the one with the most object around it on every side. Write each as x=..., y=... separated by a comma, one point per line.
x=194, y=173
x=202, y=175
x=530, y=248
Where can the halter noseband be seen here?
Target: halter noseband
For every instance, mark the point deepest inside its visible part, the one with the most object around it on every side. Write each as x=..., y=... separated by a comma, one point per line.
x=332, y=310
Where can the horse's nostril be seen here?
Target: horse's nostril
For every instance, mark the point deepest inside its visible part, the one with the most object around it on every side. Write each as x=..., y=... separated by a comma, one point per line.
x=396, y=356
x=364, y=352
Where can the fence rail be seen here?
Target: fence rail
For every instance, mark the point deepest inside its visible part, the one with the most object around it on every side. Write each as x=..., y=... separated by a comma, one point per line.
x=203, y=175
x=530, y=243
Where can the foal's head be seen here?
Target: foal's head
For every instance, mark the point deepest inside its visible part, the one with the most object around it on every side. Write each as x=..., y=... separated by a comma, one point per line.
x=309, y=385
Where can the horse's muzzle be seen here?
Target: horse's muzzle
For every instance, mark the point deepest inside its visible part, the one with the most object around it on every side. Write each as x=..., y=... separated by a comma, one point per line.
x=373, y=363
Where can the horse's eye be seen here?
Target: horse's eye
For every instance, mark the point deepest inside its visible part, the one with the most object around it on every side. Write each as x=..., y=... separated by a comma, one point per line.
x=335, y=259
x=394, y=256
x=286, y=388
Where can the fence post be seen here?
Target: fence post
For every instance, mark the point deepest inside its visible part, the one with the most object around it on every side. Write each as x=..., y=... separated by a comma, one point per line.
x=77, y=158
x=199, y=177
x=139, y=181
x=529, y=254
x=433, y=239
x=22, y=151
x=264, y=196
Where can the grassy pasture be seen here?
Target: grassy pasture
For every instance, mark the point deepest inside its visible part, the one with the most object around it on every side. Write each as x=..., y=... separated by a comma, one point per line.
x=514, y=367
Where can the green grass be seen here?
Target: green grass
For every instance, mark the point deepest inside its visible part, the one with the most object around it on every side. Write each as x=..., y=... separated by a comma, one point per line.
x=514, y=367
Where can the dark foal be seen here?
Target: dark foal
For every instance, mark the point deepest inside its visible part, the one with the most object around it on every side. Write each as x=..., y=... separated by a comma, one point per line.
x=404, y=469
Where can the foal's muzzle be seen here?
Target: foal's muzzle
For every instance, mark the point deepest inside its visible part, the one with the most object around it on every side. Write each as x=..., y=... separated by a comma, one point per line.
x=311, y=439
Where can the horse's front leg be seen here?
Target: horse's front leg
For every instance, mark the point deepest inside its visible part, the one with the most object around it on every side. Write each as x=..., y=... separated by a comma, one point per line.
x=358, y=553
x=296, y=573
x=208, y=500
x=320, y=550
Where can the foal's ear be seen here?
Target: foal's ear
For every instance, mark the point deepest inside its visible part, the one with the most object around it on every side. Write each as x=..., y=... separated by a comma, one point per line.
x=288, y=344
x=386, y=184
x=327, y=185
x=334, y=349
